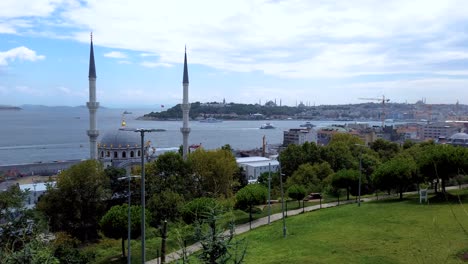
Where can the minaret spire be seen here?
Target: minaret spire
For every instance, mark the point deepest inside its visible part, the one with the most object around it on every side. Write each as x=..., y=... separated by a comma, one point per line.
x=185, y=108
x=92, y=105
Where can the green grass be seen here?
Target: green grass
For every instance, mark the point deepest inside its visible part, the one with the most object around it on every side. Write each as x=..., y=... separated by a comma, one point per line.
x=377, y=232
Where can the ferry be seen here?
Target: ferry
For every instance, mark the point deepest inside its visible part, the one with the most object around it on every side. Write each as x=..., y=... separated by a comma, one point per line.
x=267, y=126
x=211, y=120
x=307, y=125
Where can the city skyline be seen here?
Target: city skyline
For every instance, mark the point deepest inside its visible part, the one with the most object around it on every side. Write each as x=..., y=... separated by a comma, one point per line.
x=246, y=51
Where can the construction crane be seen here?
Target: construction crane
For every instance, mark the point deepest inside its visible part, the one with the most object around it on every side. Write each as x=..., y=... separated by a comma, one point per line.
x=383, y=100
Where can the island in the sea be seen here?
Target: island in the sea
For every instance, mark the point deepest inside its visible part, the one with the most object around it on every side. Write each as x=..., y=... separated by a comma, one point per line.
x=9, y=108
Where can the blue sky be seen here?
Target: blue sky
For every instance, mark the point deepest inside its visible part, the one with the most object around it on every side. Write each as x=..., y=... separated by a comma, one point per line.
x=322, y=52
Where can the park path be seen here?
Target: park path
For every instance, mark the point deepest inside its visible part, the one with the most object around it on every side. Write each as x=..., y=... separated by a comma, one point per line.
x=242, y=228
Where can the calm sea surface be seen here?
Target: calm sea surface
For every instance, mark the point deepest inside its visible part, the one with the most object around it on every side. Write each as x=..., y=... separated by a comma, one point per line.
x=49, y=134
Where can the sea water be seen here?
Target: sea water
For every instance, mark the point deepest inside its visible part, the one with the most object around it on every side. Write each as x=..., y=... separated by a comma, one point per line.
x=44, y=134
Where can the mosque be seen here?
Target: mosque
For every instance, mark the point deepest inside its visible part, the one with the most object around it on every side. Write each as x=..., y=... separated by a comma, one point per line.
x=123, y=148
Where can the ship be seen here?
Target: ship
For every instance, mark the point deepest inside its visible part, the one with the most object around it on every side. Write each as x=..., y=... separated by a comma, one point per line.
x=267, y=126
x=307, y=125
x=211, y=120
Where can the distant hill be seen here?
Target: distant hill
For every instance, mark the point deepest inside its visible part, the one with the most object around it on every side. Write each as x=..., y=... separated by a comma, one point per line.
x=9, y=108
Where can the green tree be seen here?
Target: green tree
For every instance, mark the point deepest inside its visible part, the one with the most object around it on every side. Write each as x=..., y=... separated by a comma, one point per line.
x=347, y=179
x=77, y=202
x=397, y=173
x=114, y=223
x=386, y=149
x=166, y=205
x=442, y=162
x=339, y=156
x=291, y=158
x=197, y=209
x=252, y=194
x=297, y=192
x=214, y=171
x=218, y=246
x=170, y=173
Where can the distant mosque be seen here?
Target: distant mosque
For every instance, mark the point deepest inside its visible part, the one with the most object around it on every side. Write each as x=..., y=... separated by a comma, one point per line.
x=122, y=148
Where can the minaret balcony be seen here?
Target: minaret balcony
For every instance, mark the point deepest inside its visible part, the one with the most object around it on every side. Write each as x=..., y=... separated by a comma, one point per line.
x=93, y=133
x=92, y=105
x=185, y=130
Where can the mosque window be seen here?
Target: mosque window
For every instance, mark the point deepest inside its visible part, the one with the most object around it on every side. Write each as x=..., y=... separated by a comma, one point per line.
x=132, y=154
x=102, y=154
x=108, y=154
x=124, y=154
x=116, y=155
x=139, y=153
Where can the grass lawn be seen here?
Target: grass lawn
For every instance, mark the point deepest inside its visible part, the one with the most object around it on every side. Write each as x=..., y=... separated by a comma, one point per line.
x=377, y=232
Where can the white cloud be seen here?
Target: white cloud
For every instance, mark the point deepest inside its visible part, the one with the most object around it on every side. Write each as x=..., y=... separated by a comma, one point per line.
x=28, y=90
x=19, y=53
x=116, y=55
x=124, y=62
x=150, y=64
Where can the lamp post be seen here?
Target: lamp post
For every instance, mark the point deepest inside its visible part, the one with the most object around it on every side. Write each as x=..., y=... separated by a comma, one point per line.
x=269, y=192
x=282, y=202
x=142, y=132
x=129, y=218
x=360, y=174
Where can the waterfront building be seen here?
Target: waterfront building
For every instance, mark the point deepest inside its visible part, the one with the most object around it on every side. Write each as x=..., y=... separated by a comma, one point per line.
x=92, y=105
x=299, y=136
x=256, y=166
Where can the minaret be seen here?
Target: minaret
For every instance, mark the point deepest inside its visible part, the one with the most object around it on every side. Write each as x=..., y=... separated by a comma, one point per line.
x=93, y=133
x=185, y=108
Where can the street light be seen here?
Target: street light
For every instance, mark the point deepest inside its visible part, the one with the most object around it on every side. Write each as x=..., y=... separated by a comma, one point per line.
x=360, y=174
x=129, y=219
x=142, y=132
x=269, y=191
x=282, y=201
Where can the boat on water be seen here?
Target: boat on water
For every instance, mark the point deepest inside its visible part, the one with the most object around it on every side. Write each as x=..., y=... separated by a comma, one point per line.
x=267, y=126
x=211, y=120
x=127, y=112
x=307, y=125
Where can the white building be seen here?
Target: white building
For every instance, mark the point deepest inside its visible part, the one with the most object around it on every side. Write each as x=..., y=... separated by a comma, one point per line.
x=255, y=166
x=299, y=136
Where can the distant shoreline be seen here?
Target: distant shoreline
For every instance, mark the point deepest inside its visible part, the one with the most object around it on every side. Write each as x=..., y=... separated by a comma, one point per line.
x=10, y=108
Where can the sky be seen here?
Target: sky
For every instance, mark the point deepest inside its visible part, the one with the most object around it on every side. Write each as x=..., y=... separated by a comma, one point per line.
x=246, y=51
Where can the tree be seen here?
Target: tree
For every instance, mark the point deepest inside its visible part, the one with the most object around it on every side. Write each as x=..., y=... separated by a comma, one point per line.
x=297, y=192
x=197, y=209
x=252, y=194
x=311, y=176
x=114, y=223
x=347, y=179
x=214, y=171
x=385, y=149
x=77, y=202
x=291, y=158
x=170, y=173
x=339, y=156
x=16, y=222
x=218, y=246
x=397, y=173
x=442, y=162
x=166, y=205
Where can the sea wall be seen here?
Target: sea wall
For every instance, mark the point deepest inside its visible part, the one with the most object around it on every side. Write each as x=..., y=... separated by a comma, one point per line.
x=39, y=168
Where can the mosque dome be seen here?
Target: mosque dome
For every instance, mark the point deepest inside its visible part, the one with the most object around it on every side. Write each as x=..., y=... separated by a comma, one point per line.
x=460, y=139
x=459, y=136
x=120, y=139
